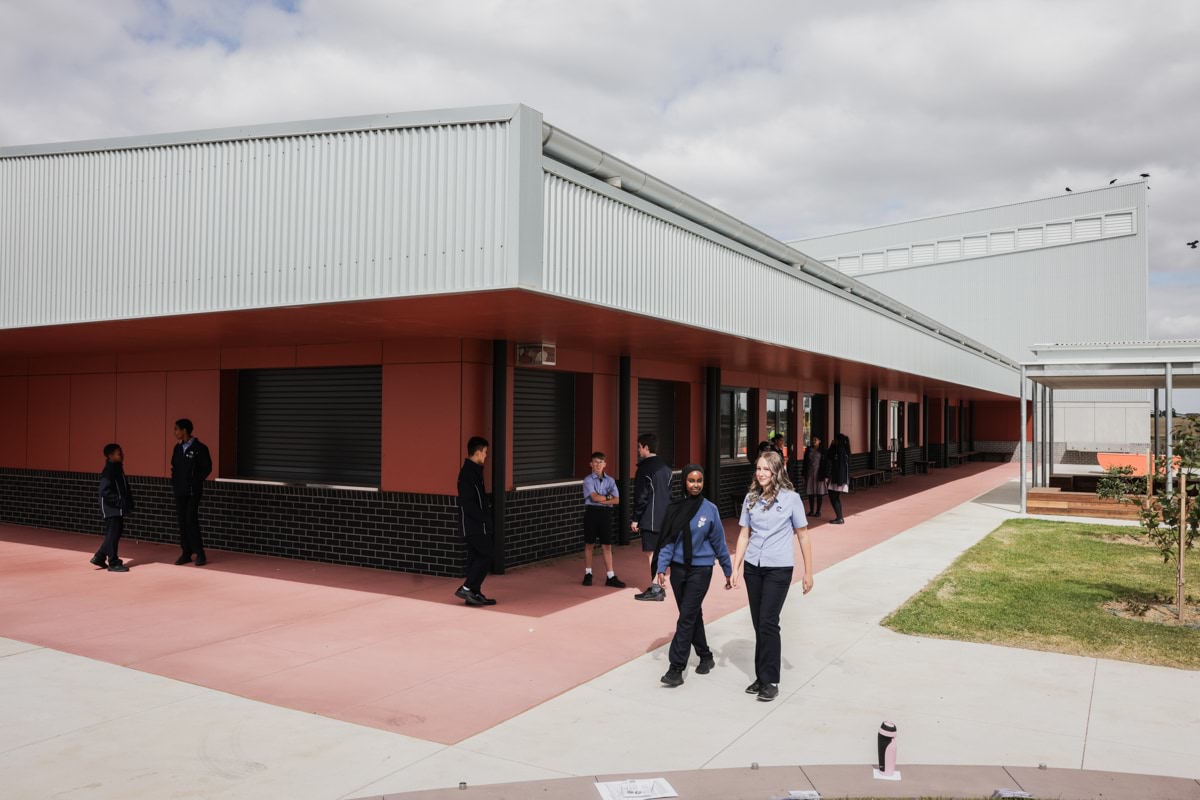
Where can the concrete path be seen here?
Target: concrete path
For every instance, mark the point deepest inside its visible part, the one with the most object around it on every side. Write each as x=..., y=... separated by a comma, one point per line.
x=76, y=727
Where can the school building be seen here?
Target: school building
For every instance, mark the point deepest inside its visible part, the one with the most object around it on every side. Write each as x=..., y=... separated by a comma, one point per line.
x=339, y=304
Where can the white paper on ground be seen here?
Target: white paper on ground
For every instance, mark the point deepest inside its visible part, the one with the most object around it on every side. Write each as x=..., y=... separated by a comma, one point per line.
x=650, y=789
x=879, y=776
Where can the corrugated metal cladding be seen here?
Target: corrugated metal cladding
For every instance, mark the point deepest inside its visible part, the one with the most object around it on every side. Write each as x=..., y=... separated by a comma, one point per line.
x=604, y=251
x=253, y=223
x=1033, y=212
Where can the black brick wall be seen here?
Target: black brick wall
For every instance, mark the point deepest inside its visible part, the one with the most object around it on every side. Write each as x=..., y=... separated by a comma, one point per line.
x=735, y=480
x=388, y=530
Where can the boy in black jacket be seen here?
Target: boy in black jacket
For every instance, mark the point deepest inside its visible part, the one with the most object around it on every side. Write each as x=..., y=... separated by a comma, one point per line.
x=475, y=523
x=651, y=496
x=191, y=464
x=116, y=502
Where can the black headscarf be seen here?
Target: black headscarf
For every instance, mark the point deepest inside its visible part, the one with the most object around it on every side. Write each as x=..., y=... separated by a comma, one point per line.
x=677, y=523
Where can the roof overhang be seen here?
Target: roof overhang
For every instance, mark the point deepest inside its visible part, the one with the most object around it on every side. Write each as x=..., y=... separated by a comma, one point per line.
x=1116, y=365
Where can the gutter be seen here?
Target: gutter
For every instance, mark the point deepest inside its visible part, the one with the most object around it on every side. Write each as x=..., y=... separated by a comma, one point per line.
x=574, y=152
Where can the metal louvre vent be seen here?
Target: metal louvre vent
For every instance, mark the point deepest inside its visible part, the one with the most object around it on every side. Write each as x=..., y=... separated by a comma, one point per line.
x=543, y=425
x=318, y=424
x=656, y=414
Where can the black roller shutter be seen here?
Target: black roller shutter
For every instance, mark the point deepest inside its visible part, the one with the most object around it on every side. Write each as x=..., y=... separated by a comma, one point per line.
x=656, y=414
x=543, y=425
x=317, y=425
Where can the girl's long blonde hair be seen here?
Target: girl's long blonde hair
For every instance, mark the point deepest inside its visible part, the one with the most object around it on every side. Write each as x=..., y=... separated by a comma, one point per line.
x=779, y=478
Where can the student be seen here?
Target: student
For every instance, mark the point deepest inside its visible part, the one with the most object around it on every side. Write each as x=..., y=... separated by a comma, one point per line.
x=599, y=496
x=814, y=484
x=692, y=538
x=651, y=496
x=475, y=523
x=781, y=447
x=191, y=465
x=771, y=515
x=116, y=502
x=835, y=469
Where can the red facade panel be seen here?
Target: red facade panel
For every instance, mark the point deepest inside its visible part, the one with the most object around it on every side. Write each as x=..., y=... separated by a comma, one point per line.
x=141, y=420
x=423, y=445
x=258, y=357
x=14, y=420
x=93, y=420
x=196, y=396
x=339, y=355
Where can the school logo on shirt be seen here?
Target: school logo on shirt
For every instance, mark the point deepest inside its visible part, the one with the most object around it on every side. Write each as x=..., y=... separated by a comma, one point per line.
x=779, y=509
x=700, y=523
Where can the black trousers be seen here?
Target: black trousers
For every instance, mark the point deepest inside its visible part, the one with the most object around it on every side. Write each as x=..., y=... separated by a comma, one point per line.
x=479, y=560
x=113, y=527
x=835, y=500
x=767, y=588
x=689, y=586
x=187, y=510
x=814, y=503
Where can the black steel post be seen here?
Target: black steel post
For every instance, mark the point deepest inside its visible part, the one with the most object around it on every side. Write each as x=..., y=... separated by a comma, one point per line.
x=945, y=432
x=873, y=427
x=924, y=427
x=837, y=412
x=712, y=434
x=498, y=452
x=971, y=427
x=623, y=458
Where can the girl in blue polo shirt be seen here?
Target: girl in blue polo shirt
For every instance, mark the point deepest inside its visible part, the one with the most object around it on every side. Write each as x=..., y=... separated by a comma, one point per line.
x=692, y=538
x=771, y=515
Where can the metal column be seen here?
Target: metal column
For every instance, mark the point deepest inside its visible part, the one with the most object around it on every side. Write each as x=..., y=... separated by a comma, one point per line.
x=971, y=427
x=1035, y=451
x=1050, y=433
x=837, y=411
x=945, y=432
x=1045, y=437
x=624, y=389
x=498, y=452
x=712, y=435
x=1170, y=427
x=924, y=427
x=1155, y=442
x=1021, y=444
x=873, y=427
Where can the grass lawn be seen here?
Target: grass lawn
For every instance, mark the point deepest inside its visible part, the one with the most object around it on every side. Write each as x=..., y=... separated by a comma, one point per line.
x=1041, y=585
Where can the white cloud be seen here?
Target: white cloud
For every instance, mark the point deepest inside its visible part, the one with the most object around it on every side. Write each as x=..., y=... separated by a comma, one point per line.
x=801, y=118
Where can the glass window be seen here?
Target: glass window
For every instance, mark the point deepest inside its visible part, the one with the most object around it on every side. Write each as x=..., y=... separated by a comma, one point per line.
x=807, y=423
x=735, y=423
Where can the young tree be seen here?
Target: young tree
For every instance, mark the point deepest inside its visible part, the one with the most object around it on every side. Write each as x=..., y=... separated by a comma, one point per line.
x=1171, y=522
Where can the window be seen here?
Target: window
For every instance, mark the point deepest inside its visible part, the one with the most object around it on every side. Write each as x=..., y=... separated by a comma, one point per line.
x=952, y=417
x=735, y=423
x=779, y=415
x=656, y=414
x=807, y=421
x=543, y=425
x=312, y=425
x=914, y=424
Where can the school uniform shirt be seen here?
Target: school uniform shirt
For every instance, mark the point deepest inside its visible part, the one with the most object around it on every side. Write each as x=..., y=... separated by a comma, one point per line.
x=708, y=542
x=604, y=485
x=771, y=529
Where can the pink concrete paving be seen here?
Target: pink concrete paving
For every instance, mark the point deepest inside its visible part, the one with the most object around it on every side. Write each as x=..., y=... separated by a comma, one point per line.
x=388, y=650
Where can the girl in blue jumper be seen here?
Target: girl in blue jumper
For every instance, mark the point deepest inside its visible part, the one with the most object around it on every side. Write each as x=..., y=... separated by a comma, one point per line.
x=692, y=538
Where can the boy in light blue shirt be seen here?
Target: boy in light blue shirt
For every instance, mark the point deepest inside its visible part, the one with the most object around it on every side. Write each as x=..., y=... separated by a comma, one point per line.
x=599, y=496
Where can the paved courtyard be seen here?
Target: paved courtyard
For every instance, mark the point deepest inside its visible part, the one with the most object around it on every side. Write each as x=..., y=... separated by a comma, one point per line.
x=587, y=699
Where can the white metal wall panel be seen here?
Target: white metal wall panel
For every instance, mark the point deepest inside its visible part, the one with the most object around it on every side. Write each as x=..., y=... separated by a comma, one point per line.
x=1088, y=229
x=1002, y=242
x=849, y=265
x=635, y=258
x=872, y=262
x=1029, y=237
x=1118, y=224
x=252, y=223
x=897, y=257
x=1058, y=233
x=975, y=246
x=948, y=249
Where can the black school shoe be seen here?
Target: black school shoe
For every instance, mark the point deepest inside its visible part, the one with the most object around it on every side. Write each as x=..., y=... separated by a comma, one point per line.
x=118, y=566
x=705, y=666
x=201, y=560
x=673, y=678
x=615, y=583
x=754, y=687
x=768, y=692
x=653, y=592
x=183, y=559
x=99, y=561
x=838, y=521
x=587, y=579
x=487, y=601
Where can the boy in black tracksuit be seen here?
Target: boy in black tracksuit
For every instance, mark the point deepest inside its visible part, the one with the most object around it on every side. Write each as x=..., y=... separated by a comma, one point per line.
x=116, y=502
x=475, y=523
x=651, y=496
x=191, y=464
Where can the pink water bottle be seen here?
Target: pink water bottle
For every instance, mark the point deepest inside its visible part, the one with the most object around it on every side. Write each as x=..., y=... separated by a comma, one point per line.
x=887, y=748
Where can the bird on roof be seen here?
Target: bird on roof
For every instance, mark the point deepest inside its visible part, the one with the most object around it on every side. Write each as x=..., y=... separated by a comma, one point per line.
x=1145, y=174
x=1114, y=180
x=1068, y=188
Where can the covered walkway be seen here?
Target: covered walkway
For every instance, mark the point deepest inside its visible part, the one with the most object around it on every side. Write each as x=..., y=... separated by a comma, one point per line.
x=388, y=650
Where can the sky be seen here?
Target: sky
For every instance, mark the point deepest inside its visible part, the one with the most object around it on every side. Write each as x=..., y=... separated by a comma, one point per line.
x=801, y=118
